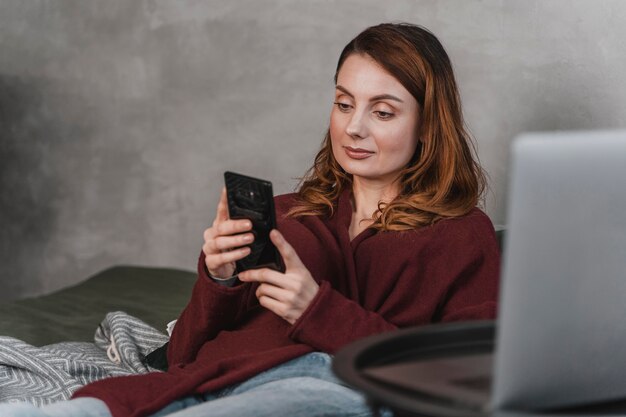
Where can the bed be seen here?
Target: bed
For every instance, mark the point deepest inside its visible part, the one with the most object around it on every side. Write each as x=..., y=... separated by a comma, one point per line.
x=155, y=295
x=112, y=324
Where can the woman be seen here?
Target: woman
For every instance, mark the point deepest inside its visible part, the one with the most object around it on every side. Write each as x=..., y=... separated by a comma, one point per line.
x=383, y=233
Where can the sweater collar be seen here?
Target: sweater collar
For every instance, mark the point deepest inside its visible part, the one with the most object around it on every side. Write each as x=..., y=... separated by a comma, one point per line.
x=344, y=217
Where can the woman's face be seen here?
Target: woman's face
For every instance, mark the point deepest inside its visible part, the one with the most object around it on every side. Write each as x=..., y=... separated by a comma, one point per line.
x=374, y=121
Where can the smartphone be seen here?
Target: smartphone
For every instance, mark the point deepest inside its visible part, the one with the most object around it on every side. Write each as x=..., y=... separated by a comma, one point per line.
x=252, y=198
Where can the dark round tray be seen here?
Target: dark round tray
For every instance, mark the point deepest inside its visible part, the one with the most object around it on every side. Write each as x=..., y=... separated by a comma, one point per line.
x=420, y=343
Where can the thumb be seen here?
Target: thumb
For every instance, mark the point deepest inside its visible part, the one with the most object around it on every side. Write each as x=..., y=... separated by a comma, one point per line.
x=290, y=257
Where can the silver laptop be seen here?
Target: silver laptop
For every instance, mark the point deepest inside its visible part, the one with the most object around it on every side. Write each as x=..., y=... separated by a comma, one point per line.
x=562, y=321
x=561, y=338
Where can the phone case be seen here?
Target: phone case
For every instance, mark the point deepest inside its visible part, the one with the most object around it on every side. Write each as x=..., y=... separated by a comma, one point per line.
x=253, y=199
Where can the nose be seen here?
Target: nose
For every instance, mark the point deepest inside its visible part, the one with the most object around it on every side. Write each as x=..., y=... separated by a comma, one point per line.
x=357, y=128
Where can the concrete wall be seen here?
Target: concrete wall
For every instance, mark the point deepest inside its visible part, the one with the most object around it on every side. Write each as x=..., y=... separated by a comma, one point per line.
x=118, y=117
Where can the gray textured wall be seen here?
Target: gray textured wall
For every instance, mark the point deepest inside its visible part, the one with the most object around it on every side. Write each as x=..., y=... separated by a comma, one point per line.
x=118, y=117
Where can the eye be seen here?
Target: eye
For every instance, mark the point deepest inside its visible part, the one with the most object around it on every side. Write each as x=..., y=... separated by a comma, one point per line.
x=383, y=115
x=343, y=107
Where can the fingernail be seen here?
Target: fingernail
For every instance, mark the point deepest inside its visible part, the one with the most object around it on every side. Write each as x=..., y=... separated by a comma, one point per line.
x=247, y=238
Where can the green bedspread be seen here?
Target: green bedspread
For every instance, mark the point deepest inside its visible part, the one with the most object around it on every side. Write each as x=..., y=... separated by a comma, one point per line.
x=155, y=295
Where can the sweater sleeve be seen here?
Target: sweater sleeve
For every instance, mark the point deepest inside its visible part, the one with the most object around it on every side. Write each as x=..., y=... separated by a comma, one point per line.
x=473, y=291
x=212, y=307
x=348, y=321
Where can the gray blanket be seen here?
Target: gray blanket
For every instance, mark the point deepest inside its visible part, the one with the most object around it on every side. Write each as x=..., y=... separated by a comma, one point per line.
x=43, y=375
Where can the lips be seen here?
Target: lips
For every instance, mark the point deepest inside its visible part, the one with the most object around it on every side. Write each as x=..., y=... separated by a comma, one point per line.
x=357, y=153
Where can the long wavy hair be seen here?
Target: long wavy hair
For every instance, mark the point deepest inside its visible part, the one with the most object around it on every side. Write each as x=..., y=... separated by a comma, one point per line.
x=443, y=178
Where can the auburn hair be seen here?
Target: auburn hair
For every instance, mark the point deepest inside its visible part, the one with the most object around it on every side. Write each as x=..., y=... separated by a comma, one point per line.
x=443, y=178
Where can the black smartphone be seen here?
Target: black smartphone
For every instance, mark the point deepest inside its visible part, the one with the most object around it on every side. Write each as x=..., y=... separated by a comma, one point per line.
x=252, y=198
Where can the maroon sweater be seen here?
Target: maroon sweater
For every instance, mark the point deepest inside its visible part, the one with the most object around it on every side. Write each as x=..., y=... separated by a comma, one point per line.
x=377, y=282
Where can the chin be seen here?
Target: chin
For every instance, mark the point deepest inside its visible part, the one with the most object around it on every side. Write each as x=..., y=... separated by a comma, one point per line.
x=361, y=172
x=365, y=172
x=354, y=169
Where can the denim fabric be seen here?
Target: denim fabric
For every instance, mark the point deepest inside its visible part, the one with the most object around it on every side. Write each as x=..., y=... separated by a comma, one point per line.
x=304, y=386
x=80, y=407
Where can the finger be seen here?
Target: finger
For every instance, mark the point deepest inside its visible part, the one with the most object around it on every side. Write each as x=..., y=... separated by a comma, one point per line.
x=274, y=292
x=231, y=227
x=215, y=260
x=227, y=243
x=287, y=251
x=274, y=306
x=222, y=208
x=263, y=275
x=208, y=234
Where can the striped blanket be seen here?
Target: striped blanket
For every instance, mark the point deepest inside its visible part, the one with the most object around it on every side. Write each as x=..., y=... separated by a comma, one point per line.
x=43, y=375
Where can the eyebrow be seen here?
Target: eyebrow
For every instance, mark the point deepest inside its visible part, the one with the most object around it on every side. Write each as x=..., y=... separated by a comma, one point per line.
x=375, y=98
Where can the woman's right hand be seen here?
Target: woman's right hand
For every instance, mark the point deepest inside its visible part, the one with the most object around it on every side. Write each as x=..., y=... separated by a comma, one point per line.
x=223, y=241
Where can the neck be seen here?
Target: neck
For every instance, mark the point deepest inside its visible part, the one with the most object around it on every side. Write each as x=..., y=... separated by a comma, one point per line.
x=367, y=194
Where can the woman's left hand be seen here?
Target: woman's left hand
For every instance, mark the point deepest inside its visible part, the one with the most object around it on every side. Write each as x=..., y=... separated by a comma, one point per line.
x=288, y=294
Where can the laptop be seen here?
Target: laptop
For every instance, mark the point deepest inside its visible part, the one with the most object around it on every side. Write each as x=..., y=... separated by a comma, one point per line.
x=561, y=338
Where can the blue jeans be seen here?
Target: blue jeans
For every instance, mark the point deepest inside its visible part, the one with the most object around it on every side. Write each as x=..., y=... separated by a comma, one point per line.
x=304, y=386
